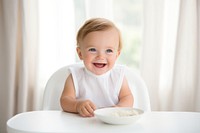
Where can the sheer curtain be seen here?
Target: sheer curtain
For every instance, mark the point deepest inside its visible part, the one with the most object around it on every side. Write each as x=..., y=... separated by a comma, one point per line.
x=56, y=39
x=18, y=47
x=171, y=54
x=99, y=8
x=28, y=55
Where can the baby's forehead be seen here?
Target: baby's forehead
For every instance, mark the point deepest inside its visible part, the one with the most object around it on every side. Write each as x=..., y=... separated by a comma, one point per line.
x=101, y=39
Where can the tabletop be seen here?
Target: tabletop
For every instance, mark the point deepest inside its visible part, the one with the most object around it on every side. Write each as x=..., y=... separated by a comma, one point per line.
x=62, y=122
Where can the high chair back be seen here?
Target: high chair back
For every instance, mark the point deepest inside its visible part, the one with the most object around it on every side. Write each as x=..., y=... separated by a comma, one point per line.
x=55, y=85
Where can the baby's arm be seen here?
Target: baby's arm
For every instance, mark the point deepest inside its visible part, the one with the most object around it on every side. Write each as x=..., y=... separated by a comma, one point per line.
x=125, y=96
x=69, y=103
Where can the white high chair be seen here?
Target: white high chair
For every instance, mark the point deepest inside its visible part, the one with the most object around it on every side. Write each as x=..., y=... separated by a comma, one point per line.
x=55, y=85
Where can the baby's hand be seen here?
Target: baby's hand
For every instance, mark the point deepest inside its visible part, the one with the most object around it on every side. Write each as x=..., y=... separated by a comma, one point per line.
x=85, y=108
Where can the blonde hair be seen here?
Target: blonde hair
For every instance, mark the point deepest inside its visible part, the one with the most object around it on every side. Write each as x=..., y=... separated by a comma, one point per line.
x=96, y=24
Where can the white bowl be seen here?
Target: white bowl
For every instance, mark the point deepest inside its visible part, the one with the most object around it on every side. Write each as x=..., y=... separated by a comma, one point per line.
x=118, y=115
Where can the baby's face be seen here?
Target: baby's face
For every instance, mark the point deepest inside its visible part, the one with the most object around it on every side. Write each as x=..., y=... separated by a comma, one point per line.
x=99, y=50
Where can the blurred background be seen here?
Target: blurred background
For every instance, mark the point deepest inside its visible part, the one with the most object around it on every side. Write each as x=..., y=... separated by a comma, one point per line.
x=161, y=42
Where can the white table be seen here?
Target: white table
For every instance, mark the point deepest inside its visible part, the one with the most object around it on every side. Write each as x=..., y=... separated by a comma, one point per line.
x=62, y=122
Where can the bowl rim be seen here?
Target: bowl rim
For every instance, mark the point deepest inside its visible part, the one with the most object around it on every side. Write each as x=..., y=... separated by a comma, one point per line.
x=97, y=111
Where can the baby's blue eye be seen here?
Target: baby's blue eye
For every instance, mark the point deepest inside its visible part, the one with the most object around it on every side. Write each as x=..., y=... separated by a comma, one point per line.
x=92, y=50
x=109, y=51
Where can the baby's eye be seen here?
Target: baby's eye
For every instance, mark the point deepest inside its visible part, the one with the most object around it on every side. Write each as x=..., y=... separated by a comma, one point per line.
x=109, y=51
x=92, y=50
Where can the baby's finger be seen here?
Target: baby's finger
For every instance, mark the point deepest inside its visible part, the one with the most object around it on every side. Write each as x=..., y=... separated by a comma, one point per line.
x=85, y=112
x=90, y=109
x=93, y=106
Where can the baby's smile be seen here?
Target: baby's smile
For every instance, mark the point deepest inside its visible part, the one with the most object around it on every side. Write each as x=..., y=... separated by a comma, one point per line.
x=99, y=65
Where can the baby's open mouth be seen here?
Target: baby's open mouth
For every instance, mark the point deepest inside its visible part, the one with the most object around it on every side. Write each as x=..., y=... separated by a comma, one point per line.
x=99, y=65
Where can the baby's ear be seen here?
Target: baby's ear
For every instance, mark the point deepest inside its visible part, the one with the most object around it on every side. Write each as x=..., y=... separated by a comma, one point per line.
x=78, y=50
x=118, y=53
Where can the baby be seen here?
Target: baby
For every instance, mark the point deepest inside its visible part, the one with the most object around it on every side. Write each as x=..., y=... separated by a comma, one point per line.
x=99, y=82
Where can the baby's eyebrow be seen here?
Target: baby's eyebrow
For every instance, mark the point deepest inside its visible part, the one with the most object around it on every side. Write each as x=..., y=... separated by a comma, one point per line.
x=89, y=47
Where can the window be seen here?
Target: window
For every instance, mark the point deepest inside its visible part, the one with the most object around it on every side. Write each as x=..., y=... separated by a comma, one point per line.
x=128, y=16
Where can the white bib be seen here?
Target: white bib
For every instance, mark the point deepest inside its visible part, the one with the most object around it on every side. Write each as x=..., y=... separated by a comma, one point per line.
x=102, y=90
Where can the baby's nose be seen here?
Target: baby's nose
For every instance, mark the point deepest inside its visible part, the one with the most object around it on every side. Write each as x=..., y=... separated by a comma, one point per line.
x=101, y=54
